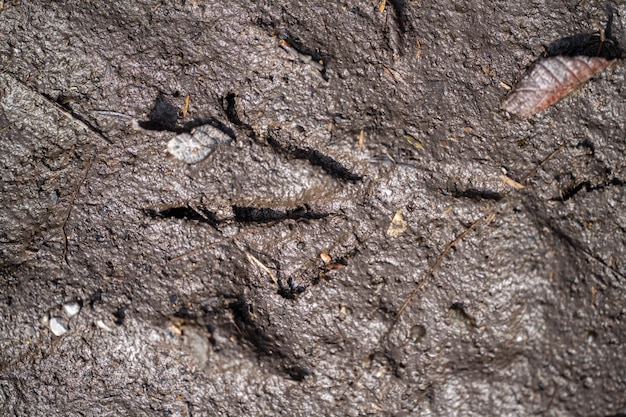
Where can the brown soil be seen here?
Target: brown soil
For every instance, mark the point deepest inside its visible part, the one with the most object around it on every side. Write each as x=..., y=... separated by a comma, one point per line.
x=266, y=280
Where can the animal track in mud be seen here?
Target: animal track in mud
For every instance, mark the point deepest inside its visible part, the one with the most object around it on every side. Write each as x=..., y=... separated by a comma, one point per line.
x=285, y=210
x=281, y=227
x=236, y=315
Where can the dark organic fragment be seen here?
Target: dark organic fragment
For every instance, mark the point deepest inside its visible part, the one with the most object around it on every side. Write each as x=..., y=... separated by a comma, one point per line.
x=549, y=80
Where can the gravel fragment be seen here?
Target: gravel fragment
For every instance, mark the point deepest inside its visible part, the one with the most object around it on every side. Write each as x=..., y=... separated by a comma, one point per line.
x=102, y=325
x=58, y=326
x=194, y=147
x=71, y=308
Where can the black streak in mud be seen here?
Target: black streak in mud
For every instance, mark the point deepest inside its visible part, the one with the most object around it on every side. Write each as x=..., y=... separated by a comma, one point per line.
x=264, y=214
x=315, y=157
x=201, y=214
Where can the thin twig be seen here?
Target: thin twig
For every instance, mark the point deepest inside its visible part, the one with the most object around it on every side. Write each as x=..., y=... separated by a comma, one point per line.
x=260, y=264
x=541, y=164
x=435, y=265
x=490, y=215
x=487, y=218
x=69, y=210
x=79, y=120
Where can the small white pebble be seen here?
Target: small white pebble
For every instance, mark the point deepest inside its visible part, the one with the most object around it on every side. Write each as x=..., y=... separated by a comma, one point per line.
x=71, y=309
x=58, y=326
x=101, y=324
x=193, y=148
x=155, y=337
x=54, y=197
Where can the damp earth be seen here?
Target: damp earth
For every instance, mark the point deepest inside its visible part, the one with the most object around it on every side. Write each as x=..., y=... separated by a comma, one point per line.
x=365, y=170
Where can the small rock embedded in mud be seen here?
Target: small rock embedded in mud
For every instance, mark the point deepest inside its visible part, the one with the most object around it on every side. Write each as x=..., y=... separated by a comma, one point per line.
x=398, y=225
x=195, y=146
x=58, y=326
x=199, y=346
x=102, y=325
x=71, y=308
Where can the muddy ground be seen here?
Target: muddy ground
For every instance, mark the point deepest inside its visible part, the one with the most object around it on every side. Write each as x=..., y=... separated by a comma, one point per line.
x=267, y=278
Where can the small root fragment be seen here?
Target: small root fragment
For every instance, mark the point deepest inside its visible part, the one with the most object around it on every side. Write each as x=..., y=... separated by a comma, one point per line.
x=255, y=261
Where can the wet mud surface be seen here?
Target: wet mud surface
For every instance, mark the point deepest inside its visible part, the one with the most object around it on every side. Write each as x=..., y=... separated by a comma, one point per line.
x=370, y=171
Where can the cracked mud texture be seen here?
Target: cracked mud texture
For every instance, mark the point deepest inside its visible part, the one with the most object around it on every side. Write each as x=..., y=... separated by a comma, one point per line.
x=262, y=280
